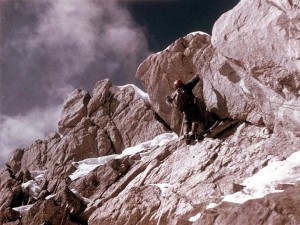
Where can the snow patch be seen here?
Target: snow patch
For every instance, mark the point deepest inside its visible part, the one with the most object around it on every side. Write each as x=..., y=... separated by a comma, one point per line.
x=267, y=179
x=84, y=167
x=195, y=218
x=212, y=205
x=198, y=32
x=138, y=91
x=163, y=187
x=23, y=209
x=50, y=196
x=87, y=165
x=159, y=140
x=32, y=188
x=38, y=175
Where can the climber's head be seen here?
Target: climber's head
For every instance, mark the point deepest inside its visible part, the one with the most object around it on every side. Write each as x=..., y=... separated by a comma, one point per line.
x=178, y=84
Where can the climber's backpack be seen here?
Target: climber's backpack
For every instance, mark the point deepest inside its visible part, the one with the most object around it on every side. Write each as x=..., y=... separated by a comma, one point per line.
x=181, y=99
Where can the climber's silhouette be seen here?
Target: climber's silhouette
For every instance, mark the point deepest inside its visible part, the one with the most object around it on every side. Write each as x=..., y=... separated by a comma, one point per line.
x=185, y=101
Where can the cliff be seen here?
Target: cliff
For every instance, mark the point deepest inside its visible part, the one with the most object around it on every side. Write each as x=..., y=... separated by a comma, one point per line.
x=117, y=158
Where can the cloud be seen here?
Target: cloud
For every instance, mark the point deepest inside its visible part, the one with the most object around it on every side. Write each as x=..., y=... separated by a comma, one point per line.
x=19, y=131
x=57, y=43
x=50, y=47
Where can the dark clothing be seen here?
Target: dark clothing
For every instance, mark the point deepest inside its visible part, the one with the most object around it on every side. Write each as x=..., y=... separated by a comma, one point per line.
x=189, y=86
x=183, y=97
x=192, y=114
x=187, y=104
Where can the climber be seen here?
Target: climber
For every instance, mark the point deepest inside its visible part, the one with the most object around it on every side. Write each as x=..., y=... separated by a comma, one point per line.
x=185, y=101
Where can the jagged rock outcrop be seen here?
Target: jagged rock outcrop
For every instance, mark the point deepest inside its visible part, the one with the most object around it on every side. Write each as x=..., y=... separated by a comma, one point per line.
x=198, y=175
x=75, y=108
x=250, y=66
x=250, y=78
x=181, y=60
x=107, y=122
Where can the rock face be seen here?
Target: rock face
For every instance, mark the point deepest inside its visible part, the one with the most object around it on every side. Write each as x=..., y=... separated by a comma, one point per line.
x=250, y=66
x=113, y=119
x=181, y=60
x=261, y=51
x=250, y=70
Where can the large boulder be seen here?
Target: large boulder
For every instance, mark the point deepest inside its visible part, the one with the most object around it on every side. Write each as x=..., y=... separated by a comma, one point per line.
x=181, y=60
x=250, y=66
x=74, y=109
x=258, y=48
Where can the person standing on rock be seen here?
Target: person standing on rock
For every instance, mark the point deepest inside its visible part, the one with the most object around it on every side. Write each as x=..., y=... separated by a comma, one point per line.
x=185, y=101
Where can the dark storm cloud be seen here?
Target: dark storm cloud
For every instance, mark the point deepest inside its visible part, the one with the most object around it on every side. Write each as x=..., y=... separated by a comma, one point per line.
x=72, y=43
x=50, y=47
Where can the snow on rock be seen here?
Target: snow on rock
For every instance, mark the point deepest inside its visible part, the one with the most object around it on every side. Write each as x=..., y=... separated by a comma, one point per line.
x=266, y=180
x=140, y=93
x=250, y=75
x=23, y=210
x=160, y=140
x=85, y=166
x=50, y=196
x=38, y=175
x=163, y=188
x=198, y=33
x=244, y=88
x=195, y=218
x=211, y=205
x=32, y=188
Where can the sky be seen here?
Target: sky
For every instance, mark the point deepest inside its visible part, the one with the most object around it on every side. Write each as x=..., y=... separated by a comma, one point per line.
x=48, y=48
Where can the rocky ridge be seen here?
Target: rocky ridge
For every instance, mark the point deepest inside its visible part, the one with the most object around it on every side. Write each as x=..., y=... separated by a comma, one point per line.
x=250, y=70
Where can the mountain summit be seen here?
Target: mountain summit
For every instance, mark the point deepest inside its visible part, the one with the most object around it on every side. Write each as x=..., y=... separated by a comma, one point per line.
x=117, y=157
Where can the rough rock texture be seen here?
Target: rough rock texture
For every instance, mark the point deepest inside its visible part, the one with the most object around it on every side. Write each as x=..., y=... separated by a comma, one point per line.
x=250, y=69
x=75, y=108
x=261, y=53
x=279, y=208
x=113, y=119
x=181, y=60
x=199, y=175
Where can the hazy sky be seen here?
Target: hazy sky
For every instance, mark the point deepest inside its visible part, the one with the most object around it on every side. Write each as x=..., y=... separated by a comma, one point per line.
x=50, y=47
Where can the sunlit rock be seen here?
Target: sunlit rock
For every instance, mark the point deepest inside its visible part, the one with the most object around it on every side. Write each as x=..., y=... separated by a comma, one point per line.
x=115, y=161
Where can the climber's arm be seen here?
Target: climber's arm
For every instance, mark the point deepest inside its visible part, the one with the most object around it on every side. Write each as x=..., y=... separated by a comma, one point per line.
x=192, y=83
